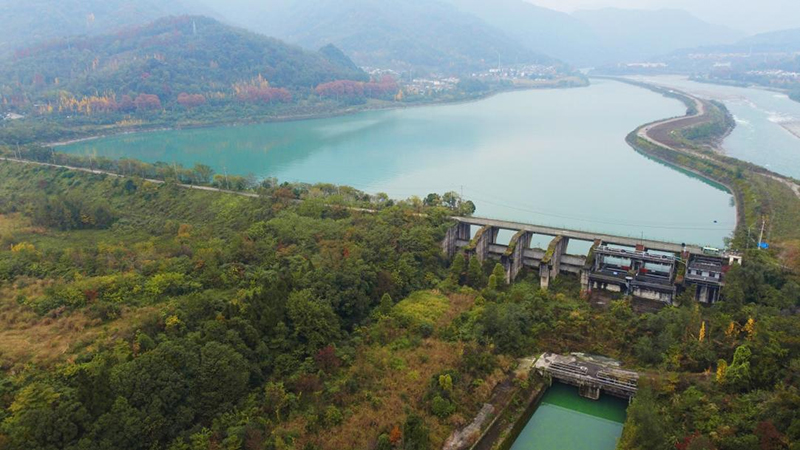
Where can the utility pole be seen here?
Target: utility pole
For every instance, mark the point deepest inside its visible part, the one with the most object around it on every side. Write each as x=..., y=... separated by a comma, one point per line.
x=761, y=236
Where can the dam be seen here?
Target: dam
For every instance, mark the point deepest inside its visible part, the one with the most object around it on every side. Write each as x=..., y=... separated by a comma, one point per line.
x=648, y=269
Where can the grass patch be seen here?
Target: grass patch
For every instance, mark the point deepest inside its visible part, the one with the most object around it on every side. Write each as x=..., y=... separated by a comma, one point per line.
x=421, y=309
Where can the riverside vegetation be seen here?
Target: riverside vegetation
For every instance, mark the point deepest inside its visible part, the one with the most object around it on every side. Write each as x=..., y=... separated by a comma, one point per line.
x=140, y=316
x=190, y=71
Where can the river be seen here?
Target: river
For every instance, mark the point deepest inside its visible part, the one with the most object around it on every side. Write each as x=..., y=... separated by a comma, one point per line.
x=767, y=122
x=551, y=157
x=565, y=421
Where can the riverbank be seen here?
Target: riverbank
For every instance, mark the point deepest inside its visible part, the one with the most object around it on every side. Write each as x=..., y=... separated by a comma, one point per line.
x=368, y=107
x=761, y=196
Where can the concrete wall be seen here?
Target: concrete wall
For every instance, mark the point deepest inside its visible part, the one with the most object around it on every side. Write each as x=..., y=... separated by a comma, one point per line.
x=459, y=232
x=648, y=294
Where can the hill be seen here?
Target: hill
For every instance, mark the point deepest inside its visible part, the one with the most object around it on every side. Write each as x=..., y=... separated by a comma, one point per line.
x=783, y=40
x=32, y=22
x=540, y=29
x=634, y=35
x=171, y=59
x=402, y=34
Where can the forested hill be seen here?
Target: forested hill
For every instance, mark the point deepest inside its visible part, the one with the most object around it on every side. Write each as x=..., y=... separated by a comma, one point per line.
x=401, y=34
x=173, y=59
x=25, y=23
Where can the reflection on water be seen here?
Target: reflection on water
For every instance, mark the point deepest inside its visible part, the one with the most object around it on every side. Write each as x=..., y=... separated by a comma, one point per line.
x=555, y=157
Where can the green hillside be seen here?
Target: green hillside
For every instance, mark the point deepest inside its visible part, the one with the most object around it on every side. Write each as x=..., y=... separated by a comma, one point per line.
x=170, y=57
x=35, y=21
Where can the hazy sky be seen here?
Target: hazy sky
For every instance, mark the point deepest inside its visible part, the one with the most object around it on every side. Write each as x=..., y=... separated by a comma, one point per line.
x=752, y=16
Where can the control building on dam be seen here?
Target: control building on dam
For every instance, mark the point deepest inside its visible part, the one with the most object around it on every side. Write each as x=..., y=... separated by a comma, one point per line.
x=647, y=269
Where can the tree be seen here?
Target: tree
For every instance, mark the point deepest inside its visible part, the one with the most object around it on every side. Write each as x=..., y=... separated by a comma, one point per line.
x=769, y=436
x=326, y=359
x=737, y=377
x=202, y=174
x=466, y=208
x=475, y=276
x=645, y=428
x=46, y=417
x=222, y=378
x=313, y=321
x=499, y=276
x=457, y=268
x=191, y=100
x=395, y=435
x=432, y=199
x=451, y=199
x=386, y=305
x=416, y=435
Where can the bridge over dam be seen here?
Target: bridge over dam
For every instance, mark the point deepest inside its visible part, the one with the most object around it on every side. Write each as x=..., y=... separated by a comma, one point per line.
x=643, y=268
x=590, y=374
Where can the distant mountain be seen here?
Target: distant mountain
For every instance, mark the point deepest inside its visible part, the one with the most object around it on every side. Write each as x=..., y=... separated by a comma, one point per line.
x=27, y=22
x=637, y=35
x=400, y=34
x=540, y=29
x=776, y=41
x=192, y=55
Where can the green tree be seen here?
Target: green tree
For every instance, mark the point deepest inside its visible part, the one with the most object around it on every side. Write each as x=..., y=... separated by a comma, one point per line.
x=313, y=321
x=416, y=435
x=645, y=428
x=457, y=268
x=202, y=174
x=45, y=417
x=475, y=276
x=737, y=376
x=433, y=200
x=222, y=378
x=386, y=305
x=499, y=277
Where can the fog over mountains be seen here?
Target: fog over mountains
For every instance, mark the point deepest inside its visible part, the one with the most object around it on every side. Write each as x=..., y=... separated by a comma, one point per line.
x=449, y=36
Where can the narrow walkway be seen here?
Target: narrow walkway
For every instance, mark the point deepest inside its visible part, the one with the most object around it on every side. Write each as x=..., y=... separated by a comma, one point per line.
x=645, y=133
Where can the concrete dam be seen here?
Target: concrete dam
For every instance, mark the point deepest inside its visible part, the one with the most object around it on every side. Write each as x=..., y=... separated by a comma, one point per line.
x=647, y=269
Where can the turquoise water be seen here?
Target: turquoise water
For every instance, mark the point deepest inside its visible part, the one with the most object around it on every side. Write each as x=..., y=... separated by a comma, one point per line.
x=551, y=157
x=566, y=421
x=762, y=118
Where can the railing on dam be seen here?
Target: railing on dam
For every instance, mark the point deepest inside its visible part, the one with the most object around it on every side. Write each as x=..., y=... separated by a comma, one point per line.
x=590, y=374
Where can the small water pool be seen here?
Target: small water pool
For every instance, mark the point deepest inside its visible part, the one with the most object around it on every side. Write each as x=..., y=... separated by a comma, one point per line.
x=566, y=421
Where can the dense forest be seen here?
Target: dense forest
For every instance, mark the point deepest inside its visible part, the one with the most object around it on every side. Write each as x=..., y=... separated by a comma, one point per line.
x=177, y=71
x=167, y=58
x=195, y=320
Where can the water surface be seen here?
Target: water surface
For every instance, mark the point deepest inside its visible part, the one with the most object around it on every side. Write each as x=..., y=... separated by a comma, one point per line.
x=566, y=421
x=551, y=157
x=765, y=120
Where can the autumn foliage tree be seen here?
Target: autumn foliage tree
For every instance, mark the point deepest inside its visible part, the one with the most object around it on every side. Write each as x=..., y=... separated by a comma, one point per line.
x=342, y=89
x=147, y=102
x=191, y=100
x=258, y=90
x=326, y=359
